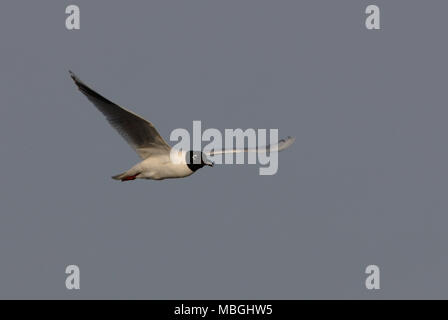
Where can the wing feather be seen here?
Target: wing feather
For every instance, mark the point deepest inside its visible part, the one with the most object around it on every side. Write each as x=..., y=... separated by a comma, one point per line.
x=139, y=133
x=281, y=145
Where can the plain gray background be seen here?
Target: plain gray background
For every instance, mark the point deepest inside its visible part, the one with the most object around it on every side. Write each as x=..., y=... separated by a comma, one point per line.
x=365, y=182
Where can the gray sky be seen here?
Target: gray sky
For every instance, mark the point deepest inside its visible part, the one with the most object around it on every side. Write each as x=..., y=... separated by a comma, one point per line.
x=365, y=182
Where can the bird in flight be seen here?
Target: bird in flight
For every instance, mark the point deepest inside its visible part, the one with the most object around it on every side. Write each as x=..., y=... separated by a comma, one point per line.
x=159, y=160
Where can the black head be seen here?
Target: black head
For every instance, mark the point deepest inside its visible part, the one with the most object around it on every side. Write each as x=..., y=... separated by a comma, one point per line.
x=196, y=160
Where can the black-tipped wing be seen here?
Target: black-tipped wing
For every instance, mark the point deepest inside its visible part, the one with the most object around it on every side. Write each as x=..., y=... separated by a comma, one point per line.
x=281, y=145
x=139, y=133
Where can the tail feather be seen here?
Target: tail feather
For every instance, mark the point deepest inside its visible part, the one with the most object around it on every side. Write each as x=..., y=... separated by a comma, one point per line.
x=119, y=176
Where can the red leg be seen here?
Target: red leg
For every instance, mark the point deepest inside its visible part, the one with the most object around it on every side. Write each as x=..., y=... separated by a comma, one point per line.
x=130, y=178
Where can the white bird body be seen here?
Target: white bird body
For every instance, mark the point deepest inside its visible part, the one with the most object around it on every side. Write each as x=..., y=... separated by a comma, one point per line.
x=159, y=160
x=159, y=167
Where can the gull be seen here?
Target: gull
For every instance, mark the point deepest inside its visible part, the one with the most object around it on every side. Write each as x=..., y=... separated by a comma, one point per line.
x=158, y=160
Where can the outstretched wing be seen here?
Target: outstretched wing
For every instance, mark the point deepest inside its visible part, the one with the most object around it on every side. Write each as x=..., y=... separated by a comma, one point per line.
x=281, y=145
x=140, y=134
